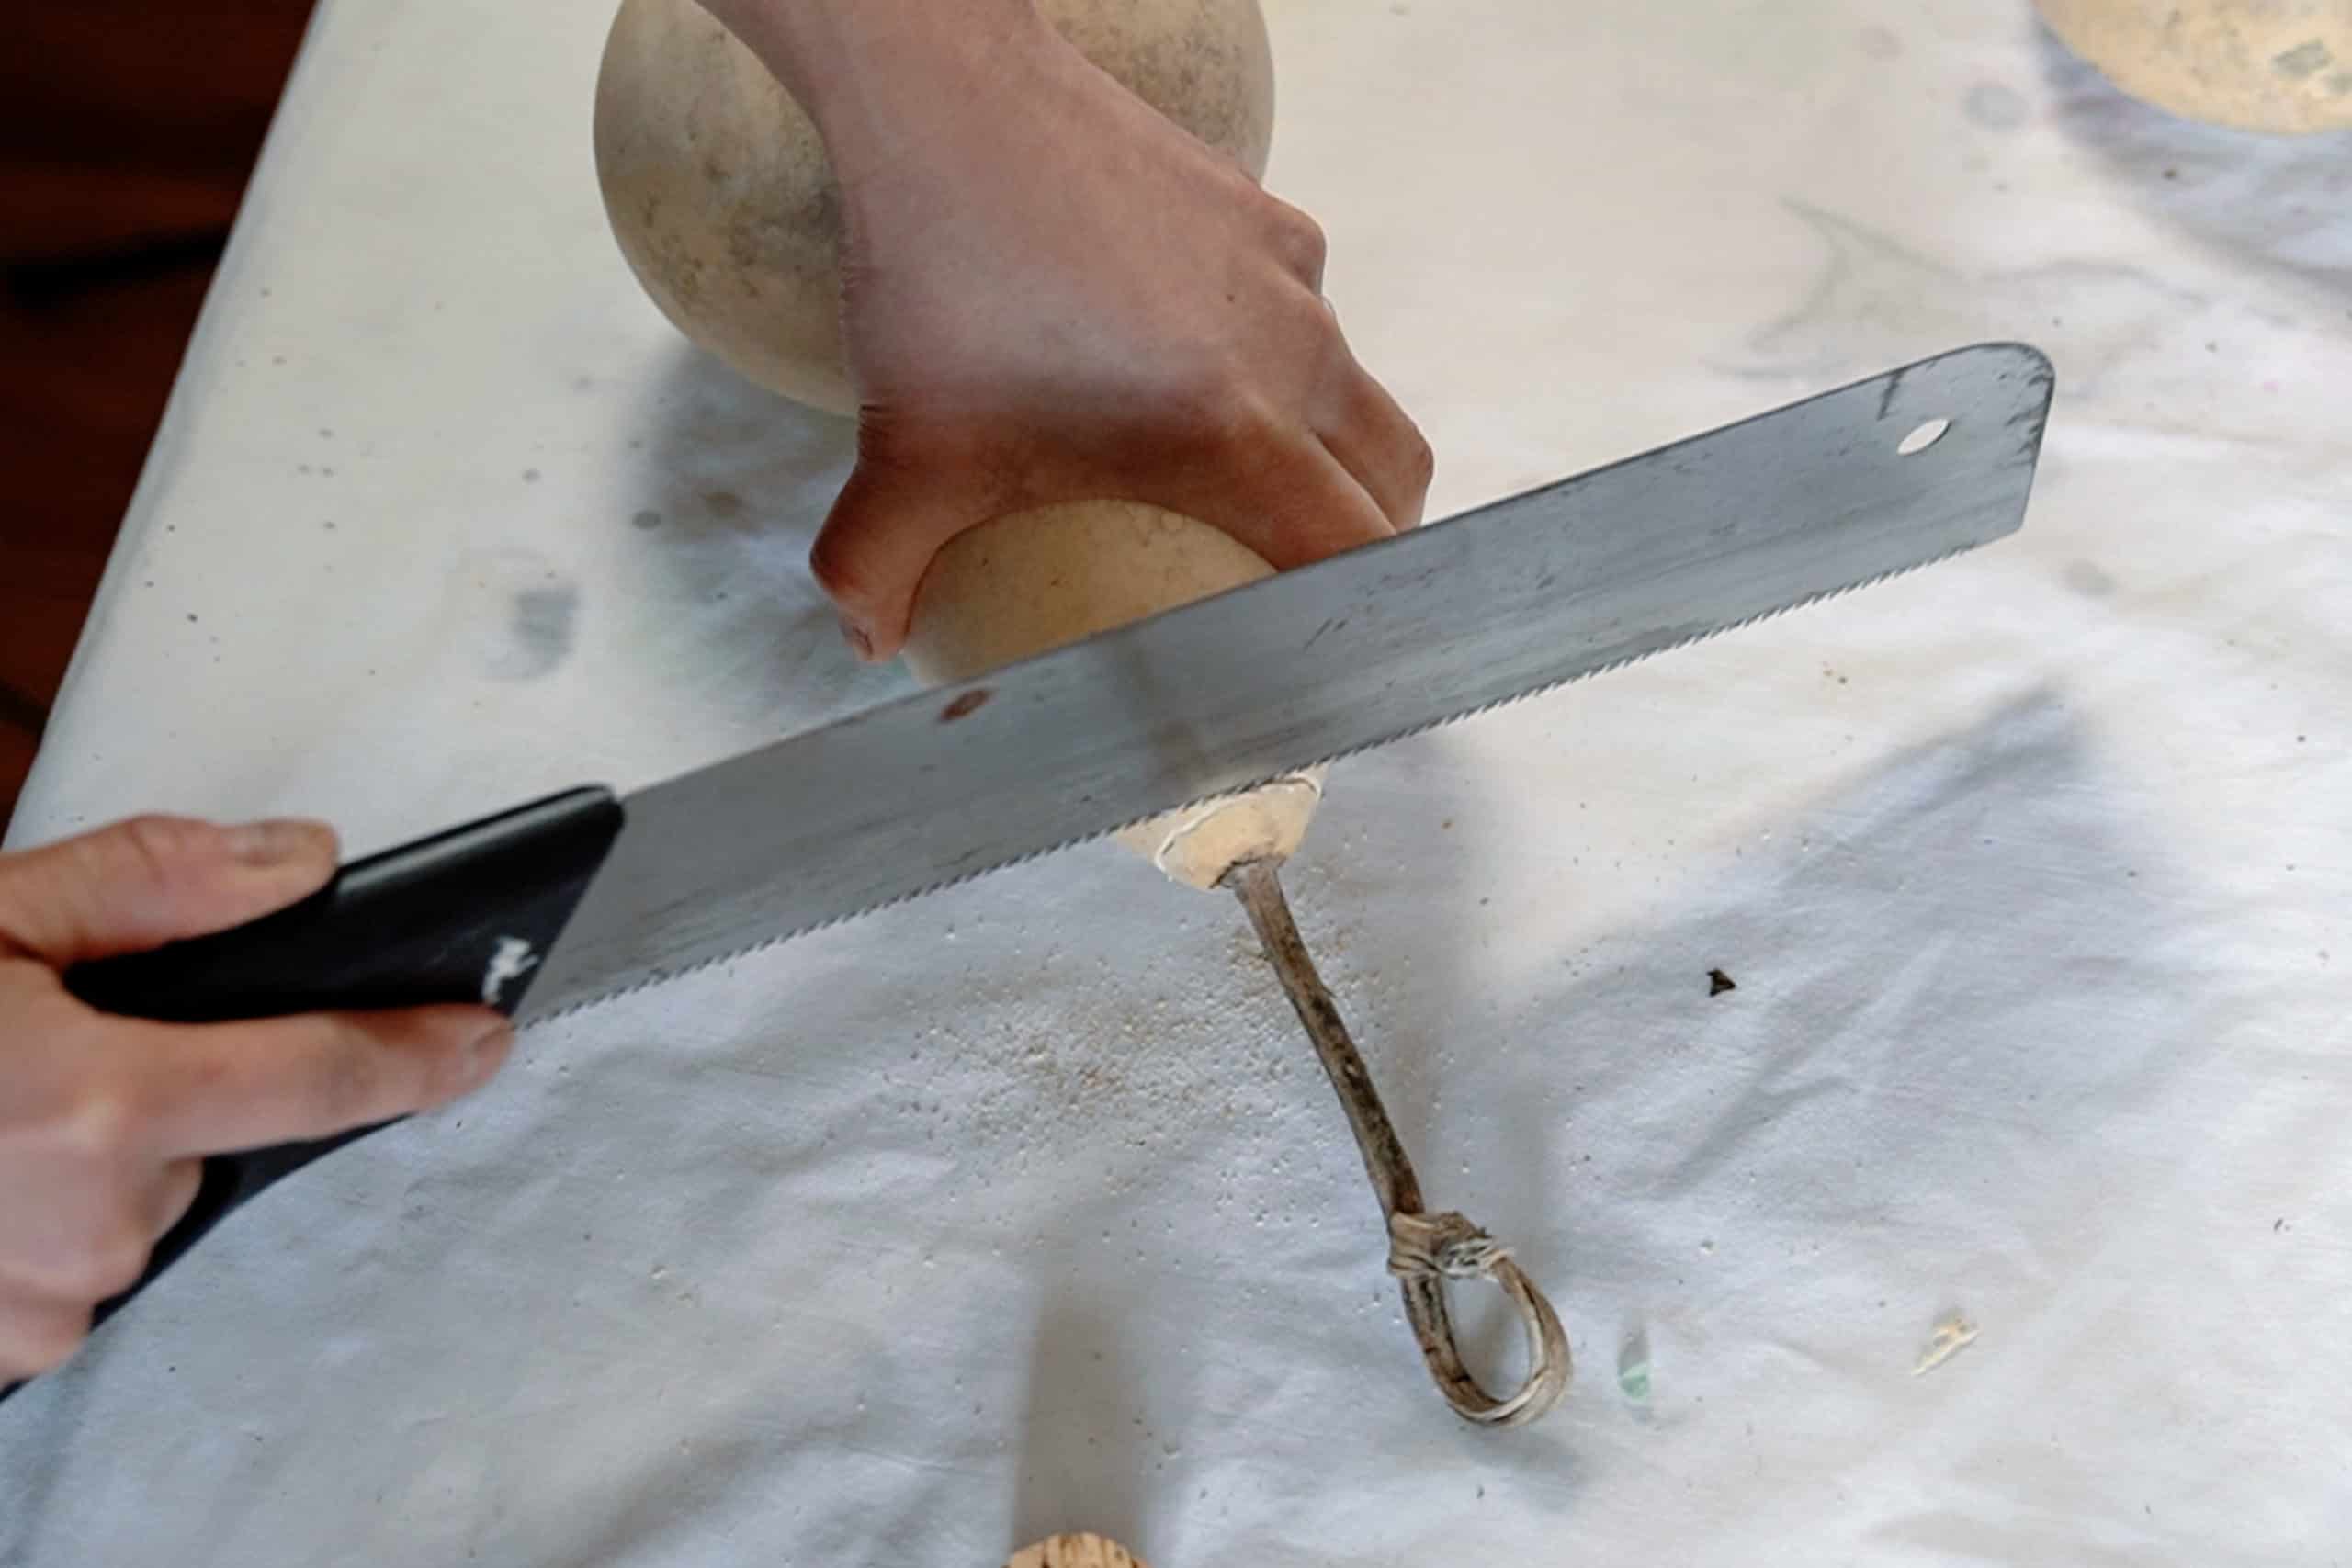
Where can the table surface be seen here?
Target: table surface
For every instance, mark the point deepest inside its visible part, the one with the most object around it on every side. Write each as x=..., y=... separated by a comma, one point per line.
x=1024, y=1209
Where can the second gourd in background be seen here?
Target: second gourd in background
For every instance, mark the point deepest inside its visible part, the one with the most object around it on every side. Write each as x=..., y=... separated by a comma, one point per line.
x=2282, y=67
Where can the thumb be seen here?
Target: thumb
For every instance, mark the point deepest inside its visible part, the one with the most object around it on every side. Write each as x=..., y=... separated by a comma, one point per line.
x=880, y=539
x=151, y=880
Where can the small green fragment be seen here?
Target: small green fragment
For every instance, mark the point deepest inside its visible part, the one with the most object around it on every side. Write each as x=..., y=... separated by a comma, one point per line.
x=1633, y=1378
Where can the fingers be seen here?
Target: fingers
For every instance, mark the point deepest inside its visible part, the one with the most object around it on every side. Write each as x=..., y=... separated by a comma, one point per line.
x=90, y=1236
x=143, y=883
x=215, y=1088
x=1244, y=410
x=47, y=1295
x=1292, y=510
x=101, y=1118
x=1283, y=492
x=1373, y=438
x=880, y=539
x=37, y=1331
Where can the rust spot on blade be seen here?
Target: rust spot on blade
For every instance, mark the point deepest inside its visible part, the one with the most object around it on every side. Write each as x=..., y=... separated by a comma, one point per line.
x=971, y=702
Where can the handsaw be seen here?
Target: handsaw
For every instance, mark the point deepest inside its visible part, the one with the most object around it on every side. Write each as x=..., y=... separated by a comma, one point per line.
x=584, y=895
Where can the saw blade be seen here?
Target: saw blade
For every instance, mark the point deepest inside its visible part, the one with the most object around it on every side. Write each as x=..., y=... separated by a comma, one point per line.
x=1564, y=581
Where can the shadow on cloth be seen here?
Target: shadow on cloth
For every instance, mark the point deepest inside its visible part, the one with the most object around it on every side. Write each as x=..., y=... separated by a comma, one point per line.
x=1089, y=1452
x=2268, y=202
x=1839, y=1077
x=739, y=482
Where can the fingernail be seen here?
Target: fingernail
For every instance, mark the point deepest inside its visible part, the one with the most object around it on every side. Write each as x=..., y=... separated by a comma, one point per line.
x=274, y=842
x=860, y=641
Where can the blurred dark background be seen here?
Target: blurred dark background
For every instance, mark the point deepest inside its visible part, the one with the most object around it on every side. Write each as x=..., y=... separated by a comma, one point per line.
x=127, y=131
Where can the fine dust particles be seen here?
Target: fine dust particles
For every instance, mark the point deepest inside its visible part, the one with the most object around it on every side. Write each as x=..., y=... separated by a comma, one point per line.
x=1160, y=1062
x=1130, y=1074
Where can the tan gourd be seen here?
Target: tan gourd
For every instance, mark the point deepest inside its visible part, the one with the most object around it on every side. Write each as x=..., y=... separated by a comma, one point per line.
x=2272, y=65
x=1036, y=579
x=718, y=188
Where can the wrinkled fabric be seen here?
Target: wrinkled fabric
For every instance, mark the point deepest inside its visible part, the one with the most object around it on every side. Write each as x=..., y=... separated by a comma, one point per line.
x=1024, y=1208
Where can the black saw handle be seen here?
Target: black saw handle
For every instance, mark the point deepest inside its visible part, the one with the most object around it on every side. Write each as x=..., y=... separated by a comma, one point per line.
x=464, y=916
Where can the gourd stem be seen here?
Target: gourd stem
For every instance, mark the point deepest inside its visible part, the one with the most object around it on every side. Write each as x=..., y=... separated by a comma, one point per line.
x=1424, y=1249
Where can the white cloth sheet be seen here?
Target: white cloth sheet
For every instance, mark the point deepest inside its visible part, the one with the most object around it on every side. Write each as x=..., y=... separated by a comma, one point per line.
x=1024, y=1208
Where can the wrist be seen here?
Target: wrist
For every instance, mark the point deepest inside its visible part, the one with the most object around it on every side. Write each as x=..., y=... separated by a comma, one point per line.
x=860, y=67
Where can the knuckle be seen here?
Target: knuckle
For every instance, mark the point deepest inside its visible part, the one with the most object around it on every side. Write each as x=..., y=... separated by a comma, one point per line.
x=1309, y=319
x=161, y=845
x=1301, y=243
x=1421, y=460
x=102, y=1129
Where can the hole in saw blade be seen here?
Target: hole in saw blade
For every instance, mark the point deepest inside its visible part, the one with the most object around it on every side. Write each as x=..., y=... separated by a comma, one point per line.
x=1922, y=437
